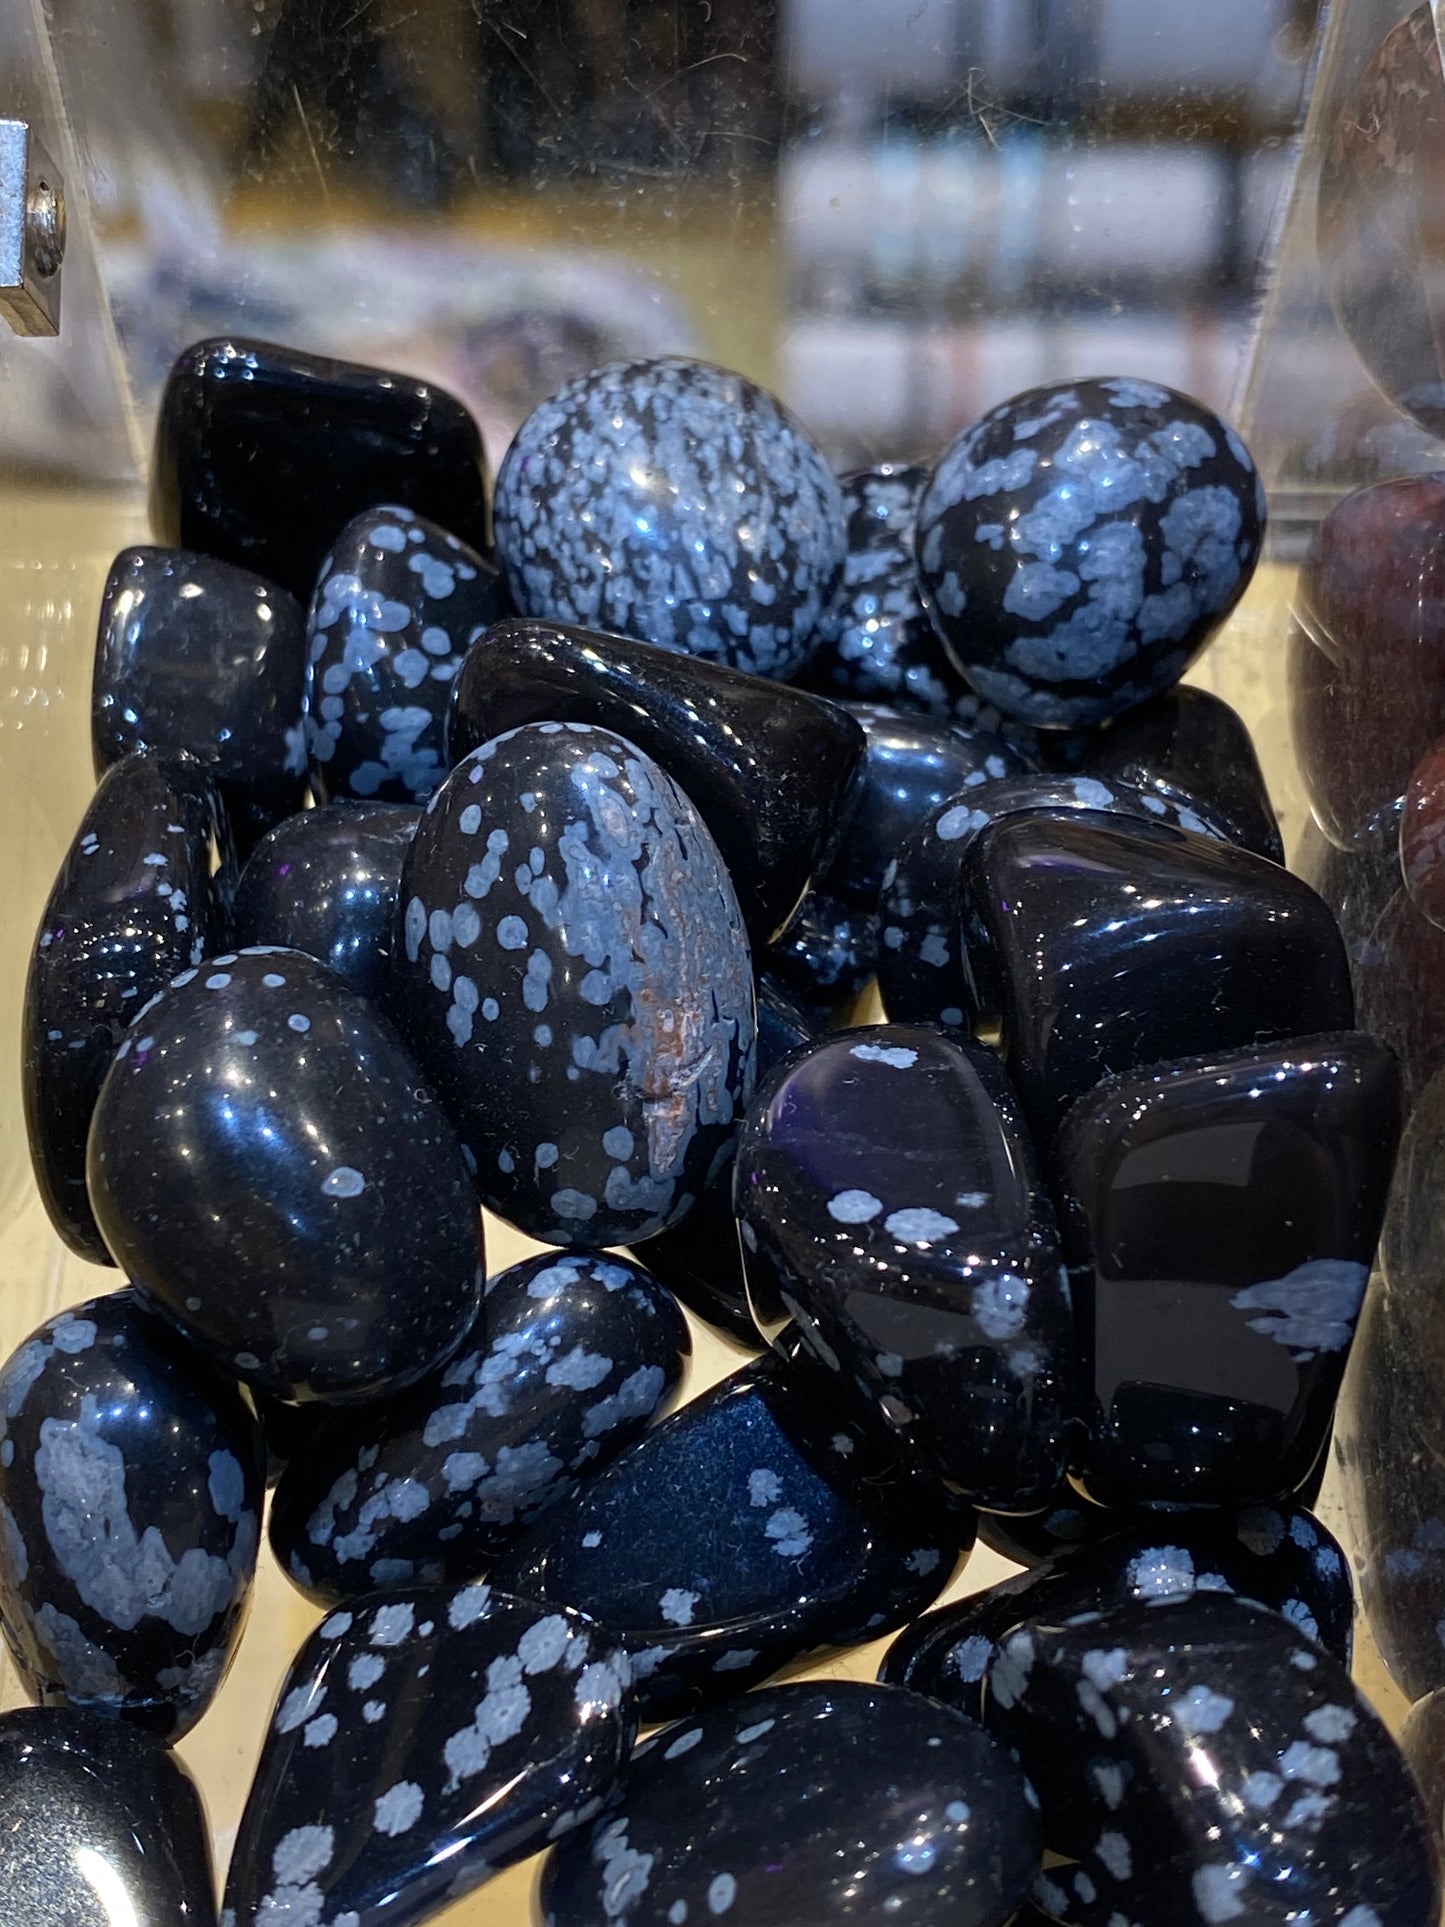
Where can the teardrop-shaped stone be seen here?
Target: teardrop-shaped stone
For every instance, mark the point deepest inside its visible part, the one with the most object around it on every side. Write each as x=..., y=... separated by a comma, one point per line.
x=574, y=977
x=793, y=1805
x=1220, y=1215
x=890, y=1202
x=398, y=603
x=131, y=1480
x=750, y=1527
x=326, y=881
x=770, y=770
x=268, y=1166
x=133, y=905
x=1198, y=1760
x=422, y=1742
x=194, y=655
x=103, y=1826
x=582, y=1351
x=263, y=453
x=1279, y=1557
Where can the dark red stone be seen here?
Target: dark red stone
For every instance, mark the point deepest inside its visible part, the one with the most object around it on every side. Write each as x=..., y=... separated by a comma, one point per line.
x=1367, y=656
x=1400, y=990
x=1422, y=836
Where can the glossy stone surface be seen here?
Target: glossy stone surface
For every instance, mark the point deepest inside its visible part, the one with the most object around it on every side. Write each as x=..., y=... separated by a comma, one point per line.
x=935, y=960
x=398, y=603
x=1366, y=656
x=914, y=765
x=1190, y=748
x=809, y=1803
x=581, y=1352
x=678, y=503
x=420, y=1744
x=1390, y=1427
x=700, y=1260
x=1357, y=885
x=263, y=453
x=102, y=1825
x=269, y=1168
x=890, y=1202
x=826, y=956
x=574, y=977
x=1200, y=1762
x=133, y=905
x=131, y=1481
x=1401, y=994
x=1280, y=1557
x=770, y=770
x=1220, y=1217
x=1422, y=836
x=1080, y=543
x=194, y=655
x=326, y=881
x=1121, y=946
x=1069, y=1523
x=877, y=641
x=752, y=1526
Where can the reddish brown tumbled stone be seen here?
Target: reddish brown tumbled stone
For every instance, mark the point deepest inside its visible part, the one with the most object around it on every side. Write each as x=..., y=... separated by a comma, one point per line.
x=1366, y=660
x=1422, y=835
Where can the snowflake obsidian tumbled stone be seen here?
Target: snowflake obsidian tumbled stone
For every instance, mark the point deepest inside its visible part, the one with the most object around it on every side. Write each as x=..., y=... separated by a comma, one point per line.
x=678, y=503
x=1077, y=546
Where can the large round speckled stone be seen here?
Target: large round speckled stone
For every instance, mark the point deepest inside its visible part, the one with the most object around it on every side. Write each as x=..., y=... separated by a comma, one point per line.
x=678, y=503
x=573, y=973
x=1078, y=545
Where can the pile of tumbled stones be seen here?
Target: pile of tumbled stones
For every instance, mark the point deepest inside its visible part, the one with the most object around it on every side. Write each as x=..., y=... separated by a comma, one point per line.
x=622, y=785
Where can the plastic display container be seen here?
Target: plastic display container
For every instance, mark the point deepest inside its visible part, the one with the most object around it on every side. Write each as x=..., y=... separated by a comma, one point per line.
x=895, y=213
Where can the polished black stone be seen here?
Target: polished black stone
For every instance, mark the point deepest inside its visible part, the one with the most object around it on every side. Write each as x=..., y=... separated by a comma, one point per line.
x=678, y=503
x=914, y=765
x=804, y=1805
x=752, y=1526
x=826, y=956
x=1220, y=1215
x=1078, y=546
x=102, y=1826
x=770, y=770
x=582, y=1351
x=1069, y=1523
x=935, y=959
x=1119, y=946
x=268, y=1166
x=421, y=1743
x=1389, y=1438
x=573, y=974
x=263, y=453
x=877, y=643
x=134, y=903
x=700, y=1260
x=192, y=654
x=1280, y=1557
x=1191, y=748
x=131, y=1480
x=1198, y=1761
x=398, y=604
x=326, y=881
x=890, y=1202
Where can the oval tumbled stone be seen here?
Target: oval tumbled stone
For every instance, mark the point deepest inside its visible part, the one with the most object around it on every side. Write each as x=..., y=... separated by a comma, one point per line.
x=131, y=1480
x=573, y=974
x=269, y=1167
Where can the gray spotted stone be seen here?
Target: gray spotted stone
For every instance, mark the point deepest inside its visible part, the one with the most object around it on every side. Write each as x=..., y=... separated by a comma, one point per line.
x=573, y=974
x=1079, y=544
x=422, y=1742
x=131, y=1482
x=678, y=503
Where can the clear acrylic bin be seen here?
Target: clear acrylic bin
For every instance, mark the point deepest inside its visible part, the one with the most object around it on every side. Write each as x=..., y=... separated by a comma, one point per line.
x=895, y=212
